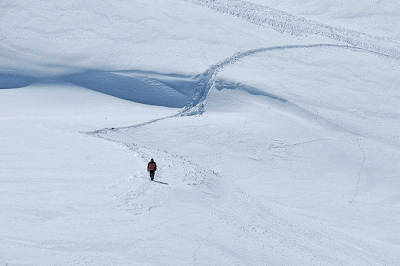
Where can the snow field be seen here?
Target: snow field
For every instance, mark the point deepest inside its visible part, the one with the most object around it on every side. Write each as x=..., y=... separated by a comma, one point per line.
x=274, y=127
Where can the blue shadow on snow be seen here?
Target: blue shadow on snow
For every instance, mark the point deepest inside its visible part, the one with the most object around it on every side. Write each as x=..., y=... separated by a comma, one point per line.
x=221, y=84
x=12, y=81
x=141, y=87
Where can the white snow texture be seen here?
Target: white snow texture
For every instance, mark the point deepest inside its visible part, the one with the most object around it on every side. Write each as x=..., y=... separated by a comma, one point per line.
x=275, y=126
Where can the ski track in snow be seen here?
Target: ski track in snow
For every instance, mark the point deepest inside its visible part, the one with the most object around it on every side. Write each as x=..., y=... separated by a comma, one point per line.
x=359, y=172
x=287, y=23
x=196, y=105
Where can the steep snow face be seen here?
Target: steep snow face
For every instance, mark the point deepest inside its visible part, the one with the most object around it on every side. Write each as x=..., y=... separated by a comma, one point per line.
x=275, y=132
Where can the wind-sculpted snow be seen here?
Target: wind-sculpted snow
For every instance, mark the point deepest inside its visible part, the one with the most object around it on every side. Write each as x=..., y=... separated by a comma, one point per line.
x=221, y=84
x=137, y=86
x=141, y=87
x=169, y=90
x=287, y=23
x=207, y=78
x=195, y=89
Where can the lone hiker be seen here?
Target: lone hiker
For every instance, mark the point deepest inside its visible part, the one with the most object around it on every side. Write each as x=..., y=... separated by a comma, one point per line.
x=151, y=168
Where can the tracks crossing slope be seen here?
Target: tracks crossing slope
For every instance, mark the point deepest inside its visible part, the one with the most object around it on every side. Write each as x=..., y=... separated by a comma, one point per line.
x=290, y=24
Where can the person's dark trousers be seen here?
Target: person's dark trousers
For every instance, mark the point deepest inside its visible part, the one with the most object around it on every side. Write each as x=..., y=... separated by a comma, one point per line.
x=152, y=175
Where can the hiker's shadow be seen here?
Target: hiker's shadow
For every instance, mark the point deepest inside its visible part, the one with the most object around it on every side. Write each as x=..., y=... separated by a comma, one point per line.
x=160, y=182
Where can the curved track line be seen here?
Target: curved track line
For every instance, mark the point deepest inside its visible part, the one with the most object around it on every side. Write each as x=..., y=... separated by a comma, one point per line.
x=290, y=24
x=197, y=103
x=359, y=172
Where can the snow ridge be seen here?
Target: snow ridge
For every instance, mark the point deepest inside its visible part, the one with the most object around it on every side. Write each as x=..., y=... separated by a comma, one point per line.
x=207, y=78
x=206, y=81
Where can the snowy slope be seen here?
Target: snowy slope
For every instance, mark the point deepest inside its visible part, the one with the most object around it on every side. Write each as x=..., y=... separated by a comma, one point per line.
x=274, y=125
x=379, y=17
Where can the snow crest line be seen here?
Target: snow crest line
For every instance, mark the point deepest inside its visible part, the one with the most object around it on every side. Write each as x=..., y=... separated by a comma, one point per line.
x=287, y=23
x=197, y=104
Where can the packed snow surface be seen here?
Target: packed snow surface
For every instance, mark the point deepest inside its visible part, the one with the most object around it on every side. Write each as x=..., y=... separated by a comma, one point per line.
x=274, y=125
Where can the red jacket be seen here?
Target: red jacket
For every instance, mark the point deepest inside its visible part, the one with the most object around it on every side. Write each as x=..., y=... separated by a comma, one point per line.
x=152, y=166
